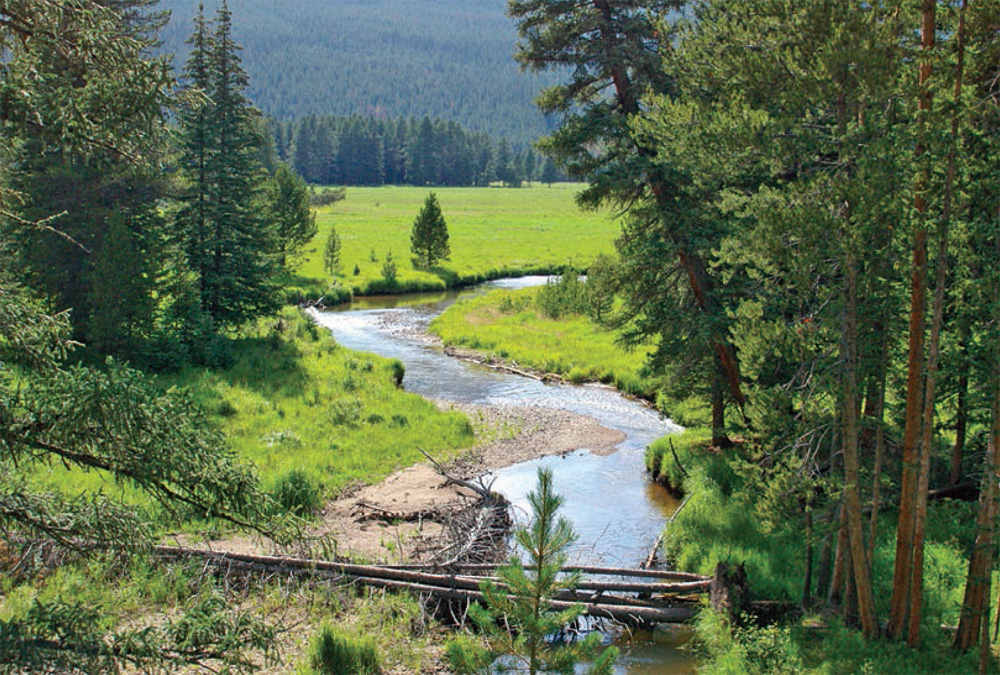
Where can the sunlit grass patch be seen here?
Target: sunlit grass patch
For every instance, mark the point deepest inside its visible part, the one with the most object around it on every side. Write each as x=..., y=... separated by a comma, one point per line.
x=293, y=402
x=493, y=232
x=508, y=324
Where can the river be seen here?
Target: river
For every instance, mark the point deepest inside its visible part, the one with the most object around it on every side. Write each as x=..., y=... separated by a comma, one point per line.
x=615, y=510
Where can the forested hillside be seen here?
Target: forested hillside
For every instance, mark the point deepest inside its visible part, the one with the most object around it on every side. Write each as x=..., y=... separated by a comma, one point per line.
x=446, y=59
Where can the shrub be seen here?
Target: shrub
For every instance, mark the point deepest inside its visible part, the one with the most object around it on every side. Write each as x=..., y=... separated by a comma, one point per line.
x=389, y=269
x=296, y=493
x=567, y=295
x=335, y=652
x=325, y=197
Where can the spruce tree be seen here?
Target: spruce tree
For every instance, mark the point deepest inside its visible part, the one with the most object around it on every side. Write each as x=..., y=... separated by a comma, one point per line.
x=229, y=247
x=429, y=237
x=331, y=253
x=289, y=214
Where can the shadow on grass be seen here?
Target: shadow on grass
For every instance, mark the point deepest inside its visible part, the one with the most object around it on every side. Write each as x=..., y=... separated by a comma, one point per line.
x=265, y=364
x=450, y=278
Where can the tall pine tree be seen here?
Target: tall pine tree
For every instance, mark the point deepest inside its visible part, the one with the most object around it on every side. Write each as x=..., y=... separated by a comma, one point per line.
x=228, y=245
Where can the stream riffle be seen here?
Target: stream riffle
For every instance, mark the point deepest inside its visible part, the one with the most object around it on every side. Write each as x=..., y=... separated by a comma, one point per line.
x=615, y=510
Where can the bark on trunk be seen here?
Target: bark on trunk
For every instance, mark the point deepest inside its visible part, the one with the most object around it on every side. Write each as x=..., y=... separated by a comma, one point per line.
x=852, y=480
x=975, y=605
x=933, y=353
x=902, y=585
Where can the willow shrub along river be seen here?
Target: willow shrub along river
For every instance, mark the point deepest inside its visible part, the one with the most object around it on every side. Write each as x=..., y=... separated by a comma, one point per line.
x=614, y=508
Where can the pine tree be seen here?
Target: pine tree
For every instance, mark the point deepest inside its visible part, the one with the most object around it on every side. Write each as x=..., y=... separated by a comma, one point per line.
x=530, y=165
x=429, y=237
x=288, y=213
x=331, y=253
x=518, y=621
x=615, y=47
x=506, y=173
x=228, y=245
x=550, y=174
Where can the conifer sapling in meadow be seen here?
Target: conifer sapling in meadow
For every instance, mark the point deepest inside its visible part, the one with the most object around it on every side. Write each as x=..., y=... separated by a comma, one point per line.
x=331, y=253
x=429, y=237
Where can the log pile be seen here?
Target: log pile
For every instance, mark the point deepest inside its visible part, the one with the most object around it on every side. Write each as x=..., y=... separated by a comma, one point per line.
x=671, y=598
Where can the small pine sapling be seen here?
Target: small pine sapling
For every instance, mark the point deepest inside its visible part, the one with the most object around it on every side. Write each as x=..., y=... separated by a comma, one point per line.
x=518, y=621
x=331, y=253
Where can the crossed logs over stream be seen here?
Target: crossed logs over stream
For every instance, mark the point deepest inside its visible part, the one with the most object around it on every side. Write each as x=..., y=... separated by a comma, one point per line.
x=473, y=546
x=657, y=600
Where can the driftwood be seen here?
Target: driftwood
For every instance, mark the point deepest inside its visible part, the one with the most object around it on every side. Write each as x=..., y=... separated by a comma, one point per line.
x=673, y=452
x=376, y=512
x=502, y=366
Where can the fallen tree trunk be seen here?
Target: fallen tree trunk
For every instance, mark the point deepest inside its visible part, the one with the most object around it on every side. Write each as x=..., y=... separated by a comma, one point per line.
x=584, y=569
x=413, y=576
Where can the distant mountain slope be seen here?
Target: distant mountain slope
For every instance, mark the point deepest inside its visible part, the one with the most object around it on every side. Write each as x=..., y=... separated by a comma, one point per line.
x=450, y=59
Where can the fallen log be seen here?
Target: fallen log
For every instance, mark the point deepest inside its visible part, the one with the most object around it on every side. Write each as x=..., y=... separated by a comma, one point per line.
x=376, y=512
x=626, y=610
x=623, y=614
x=585, y=569
x=412, y=576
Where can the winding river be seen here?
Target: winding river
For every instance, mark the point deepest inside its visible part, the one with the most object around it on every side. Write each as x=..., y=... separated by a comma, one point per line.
x=615, y=510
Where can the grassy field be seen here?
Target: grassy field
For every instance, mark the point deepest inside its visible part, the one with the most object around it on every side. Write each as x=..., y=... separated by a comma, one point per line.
x=295, y=400
x=510, y=325
x=493, y=232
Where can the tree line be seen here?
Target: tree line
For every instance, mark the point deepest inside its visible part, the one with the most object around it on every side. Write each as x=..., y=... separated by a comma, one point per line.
x=446, y=60
x=812, y=240
x=359, y=150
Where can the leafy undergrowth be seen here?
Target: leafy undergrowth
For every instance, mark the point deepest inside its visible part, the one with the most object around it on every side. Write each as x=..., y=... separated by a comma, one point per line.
x=493, y=233
x=815, y=647
x=723, y=522
x=510, y=325
x=312, y=416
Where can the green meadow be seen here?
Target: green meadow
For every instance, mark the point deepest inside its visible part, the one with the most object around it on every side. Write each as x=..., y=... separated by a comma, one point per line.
x=294, y=402
x=493, y=232
x=510, y=325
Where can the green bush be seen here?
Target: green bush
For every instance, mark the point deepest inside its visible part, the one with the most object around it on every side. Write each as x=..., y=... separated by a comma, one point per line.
x=749, y=650
x=296, y=493
x=335, y=652
x=467, y=655
x=566, y=296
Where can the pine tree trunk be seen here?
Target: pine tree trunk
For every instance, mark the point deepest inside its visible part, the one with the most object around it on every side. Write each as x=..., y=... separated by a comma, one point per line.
x=720, y=438
x=975, y=606
x=902, y=585
x=852, y=480
x=879, y=445
x=933, y=354
x=961, y=416
x=808, y=573
x=836, y=594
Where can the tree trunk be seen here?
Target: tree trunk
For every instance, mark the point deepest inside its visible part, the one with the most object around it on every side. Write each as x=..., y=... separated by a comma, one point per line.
x=879, y=445
x=975, y=606
x=933, y=353
x=902, y=584
x=852, y=480
x=808, y=573
x=962, y=412
x=720, y=438
x=836, y=594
